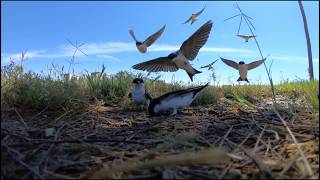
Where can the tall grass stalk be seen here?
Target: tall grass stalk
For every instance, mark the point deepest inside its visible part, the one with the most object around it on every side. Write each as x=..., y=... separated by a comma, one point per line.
x=308, y=167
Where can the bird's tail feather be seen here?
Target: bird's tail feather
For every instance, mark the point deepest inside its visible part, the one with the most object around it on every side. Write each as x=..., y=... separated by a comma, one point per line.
x=192, y=74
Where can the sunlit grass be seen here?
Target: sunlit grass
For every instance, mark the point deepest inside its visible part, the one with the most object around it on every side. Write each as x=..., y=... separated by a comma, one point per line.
x=54, y=91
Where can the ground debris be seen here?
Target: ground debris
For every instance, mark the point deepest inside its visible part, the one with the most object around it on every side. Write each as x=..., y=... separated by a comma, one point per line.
x=133, y=145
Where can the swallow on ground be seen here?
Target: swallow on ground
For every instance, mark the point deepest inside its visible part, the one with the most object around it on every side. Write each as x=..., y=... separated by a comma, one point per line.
x=193, y=17
x=168, y=104
x=180, y=59
x=246, y=38
x=242, y=67
x=142, y=46
x=209, y=66
x=139, y=94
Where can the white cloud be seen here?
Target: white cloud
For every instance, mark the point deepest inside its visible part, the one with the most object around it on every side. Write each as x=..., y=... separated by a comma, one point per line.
x=6, y=57
x=293, y=58
x=105, y=49
x=105, y=56
x=99, y=48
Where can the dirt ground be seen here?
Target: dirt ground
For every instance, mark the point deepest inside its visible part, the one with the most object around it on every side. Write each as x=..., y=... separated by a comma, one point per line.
x=221, y=141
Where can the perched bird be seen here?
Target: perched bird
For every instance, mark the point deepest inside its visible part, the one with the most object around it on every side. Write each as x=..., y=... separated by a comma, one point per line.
x=246, y=38
x=142, y=46
x=180, y=59
x=193, y=17
x=209, y=66
x=242, y=67
x=168, y=104
x=139, y=94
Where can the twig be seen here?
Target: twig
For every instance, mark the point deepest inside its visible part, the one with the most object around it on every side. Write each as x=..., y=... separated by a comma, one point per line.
x=16, y=156
x=77, y=47
x=308, y=167
x=263, y=168
x=289, y=164
x=240, y=25
x=257, y=143
x=242, y=142
x=45, y=141
x=225, y=170
x=224, y=137
x=21, y=118
x=39, y=113
x=51, y=146
x=268, y=147
x=268, y=130
x=61, y=176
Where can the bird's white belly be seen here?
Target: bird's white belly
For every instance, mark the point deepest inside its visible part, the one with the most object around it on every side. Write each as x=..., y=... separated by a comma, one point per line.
x=243, y=70
x=183, y=63
x=138, y=97
x=142, y=48
x=175, y=103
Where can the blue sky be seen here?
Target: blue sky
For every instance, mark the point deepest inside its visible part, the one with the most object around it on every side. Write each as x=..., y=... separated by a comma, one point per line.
x=42, y=28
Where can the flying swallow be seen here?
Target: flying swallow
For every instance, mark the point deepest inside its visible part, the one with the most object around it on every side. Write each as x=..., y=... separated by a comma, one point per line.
x=242, y=67
x=209, y=66
x=246, y=38
x=193, y=17
x=142, y=46
x=180, y=59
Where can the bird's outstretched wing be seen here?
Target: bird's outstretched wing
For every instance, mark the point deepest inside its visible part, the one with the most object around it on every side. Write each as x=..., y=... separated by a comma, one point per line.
x=245, y=37
x=214, y=61
x=255, y=64
x=206, y=66
x=151, y=39
x=159, y=64
x=132, y=34
x=192, y=45
x=242, y=36
x=230, y=63
x=198, y=13
x=187, y=20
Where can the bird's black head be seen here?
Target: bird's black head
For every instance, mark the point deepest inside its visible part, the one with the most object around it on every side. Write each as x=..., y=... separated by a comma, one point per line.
x=137, y=81
x=138, y=43
x=172, y=55
x=241, y=62
x=153, y=103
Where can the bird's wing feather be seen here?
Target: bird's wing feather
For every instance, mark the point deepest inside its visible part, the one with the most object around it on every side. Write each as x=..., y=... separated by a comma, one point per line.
x=132, y=34
x=205, y=66
x=151, y=39
x=159, y=64
x=230, y=63
x=181, y=92
x=192, y=45
x=242, y=36
x=198, y=13
x=255, y=64
x=187, y=20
